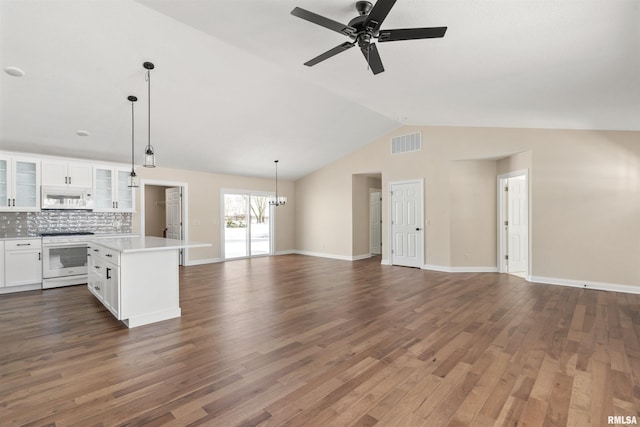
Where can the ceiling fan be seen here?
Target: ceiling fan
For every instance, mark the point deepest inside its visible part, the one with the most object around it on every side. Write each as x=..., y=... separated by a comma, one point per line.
x=363, y=29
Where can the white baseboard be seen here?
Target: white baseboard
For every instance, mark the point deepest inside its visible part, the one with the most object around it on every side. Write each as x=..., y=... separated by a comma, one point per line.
x=586, y=284
x=332, y=256
x=287, y=252
x=385, y=262
x=202, y=261
x=447, y=269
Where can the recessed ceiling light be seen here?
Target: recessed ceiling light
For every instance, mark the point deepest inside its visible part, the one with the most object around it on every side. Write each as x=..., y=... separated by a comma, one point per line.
x=14, y=71
x=82, y=133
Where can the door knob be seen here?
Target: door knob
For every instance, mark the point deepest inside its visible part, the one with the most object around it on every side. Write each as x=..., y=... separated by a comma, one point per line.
x=418, y=229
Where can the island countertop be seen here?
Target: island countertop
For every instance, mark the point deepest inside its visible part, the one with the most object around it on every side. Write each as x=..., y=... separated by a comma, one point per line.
x=146, y=244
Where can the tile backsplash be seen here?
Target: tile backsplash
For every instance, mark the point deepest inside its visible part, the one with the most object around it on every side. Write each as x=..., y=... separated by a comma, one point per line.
x=64, y=220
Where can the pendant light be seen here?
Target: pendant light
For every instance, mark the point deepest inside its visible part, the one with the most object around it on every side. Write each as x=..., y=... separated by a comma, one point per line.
x=279, y=200
x=149, y=155
x=133, y=178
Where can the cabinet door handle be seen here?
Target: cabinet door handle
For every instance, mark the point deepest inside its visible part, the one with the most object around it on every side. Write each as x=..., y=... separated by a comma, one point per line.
x=39, y=256
x=14, y=202
x=69, y=180
x=96, y=250
x=97, y=288
x=108, y=271
x=65, y=180
x=23, y=244
x=109, y=255
x=96, y=266
x=8, y=202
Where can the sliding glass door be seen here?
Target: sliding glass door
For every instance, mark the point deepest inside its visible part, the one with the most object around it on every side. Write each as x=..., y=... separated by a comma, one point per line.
x=247, y=227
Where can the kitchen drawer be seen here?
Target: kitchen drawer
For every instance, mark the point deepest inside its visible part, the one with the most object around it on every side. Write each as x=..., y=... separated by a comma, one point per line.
x=105, y=253
x=18, y=245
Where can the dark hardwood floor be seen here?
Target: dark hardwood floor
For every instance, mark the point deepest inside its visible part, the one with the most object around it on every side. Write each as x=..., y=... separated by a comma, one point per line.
x=301, y=341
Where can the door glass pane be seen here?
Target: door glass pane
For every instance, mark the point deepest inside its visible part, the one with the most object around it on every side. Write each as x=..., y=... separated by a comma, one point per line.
x=125, y=193
x=259, y=225
x=26, y=183
x=235, y=225
x=104, y=189
x=4, y=182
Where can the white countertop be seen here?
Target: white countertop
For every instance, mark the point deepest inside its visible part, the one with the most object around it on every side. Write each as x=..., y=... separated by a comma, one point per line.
x=146, y=244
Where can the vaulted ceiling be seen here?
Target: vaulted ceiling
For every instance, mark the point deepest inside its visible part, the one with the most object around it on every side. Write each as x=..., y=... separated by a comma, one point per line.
x=230, y=93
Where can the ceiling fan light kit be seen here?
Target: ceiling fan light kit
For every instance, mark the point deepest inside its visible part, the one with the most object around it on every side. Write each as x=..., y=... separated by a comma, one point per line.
x=363, y=29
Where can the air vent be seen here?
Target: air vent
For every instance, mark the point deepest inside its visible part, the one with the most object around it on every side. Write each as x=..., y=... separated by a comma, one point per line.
x=406, y=143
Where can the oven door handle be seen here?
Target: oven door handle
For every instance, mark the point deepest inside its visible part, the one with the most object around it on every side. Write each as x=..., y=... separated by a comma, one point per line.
x=64, y=245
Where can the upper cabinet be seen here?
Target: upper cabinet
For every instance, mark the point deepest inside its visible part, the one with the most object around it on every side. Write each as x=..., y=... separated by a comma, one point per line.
x=67, y=174
x=111, y=192
x=19, y=183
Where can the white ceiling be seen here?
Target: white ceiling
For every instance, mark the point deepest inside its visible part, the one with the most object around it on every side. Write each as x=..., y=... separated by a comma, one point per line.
x=230, y=93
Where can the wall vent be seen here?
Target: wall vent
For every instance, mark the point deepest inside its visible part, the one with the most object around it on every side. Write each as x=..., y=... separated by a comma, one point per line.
x=406, y=143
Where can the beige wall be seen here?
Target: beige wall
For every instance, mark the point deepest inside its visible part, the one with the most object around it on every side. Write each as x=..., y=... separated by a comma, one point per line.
x=204, y=210
x=584, y=198
x=472, y=207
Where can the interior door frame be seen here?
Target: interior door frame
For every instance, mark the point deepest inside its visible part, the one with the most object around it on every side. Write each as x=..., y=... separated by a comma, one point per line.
x=502, y=235
x=272, y=222
x=184, y=209
x=420, y=182
x=380, y=231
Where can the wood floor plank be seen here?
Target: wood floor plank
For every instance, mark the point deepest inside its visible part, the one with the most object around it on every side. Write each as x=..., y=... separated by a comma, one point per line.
x=296, y=340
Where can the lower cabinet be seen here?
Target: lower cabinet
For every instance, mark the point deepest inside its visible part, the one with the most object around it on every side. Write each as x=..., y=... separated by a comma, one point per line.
x=104, y=277
x=22, y=263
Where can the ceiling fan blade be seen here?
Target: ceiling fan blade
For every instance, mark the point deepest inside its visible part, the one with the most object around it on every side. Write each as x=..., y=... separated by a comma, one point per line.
x=322, y=21
x=328, y=54
x=373, y=58
x=378, y=13
x=411, y=34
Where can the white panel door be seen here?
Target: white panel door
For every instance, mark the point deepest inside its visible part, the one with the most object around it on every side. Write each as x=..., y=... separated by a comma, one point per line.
x=173, y=213
x=375, y=238
x=406, y=224
x=518, y=228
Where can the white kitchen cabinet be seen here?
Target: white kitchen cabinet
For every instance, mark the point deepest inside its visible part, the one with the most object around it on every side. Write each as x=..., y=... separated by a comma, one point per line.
x=143, y=284
x=111, y=190
x=22, y=262
x=19, y=183
x=104, y=277
x=1, y=264
x=67, y=174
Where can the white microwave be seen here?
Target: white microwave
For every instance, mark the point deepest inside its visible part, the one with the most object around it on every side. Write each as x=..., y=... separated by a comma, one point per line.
x=66, y=198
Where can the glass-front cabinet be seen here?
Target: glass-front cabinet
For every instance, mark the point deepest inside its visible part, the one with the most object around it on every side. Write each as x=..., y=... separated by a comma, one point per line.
x=19, y=183
x=111, y=190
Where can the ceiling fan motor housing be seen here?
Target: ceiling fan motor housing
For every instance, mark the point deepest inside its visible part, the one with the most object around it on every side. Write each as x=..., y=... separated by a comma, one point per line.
x=363, y=7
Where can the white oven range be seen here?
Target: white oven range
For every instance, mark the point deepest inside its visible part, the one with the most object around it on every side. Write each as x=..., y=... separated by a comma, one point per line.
x=64, y=260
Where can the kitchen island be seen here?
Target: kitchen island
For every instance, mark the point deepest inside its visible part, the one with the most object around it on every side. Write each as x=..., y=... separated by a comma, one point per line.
x=136, y=278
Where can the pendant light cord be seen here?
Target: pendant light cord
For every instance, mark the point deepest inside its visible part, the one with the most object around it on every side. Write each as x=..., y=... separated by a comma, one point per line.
x=148, y=78
x=132, y=135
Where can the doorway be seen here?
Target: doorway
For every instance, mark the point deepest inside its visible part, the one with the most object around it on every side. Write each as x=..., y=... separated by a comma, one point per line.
x=163, y=206
x=513, y=223
x=247, y=224
x=407, y=219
